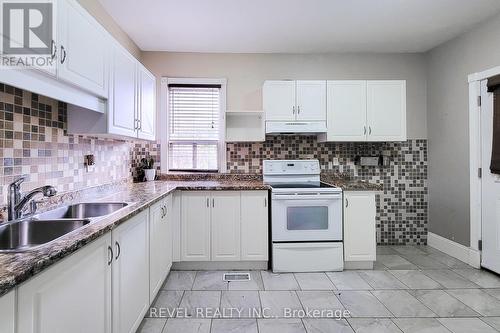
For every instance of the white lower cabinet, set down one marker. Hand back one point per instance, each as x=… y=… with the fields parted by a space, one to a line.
x=359 y=226
x=7 y=312
x=130 y=274
x=254 y=225
x=225 y=225
x=195 y=226
x=72 y=296
x=160 y=246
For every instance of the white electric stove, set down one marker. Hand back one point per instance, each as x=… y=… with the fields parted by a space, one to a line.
x=306 y=218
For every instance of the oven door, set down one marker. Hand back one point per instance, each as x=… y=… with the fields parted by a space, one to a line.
x=307 y=217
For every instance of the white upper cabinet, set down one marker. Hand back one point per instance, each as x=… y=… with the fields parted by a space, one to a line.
x=311 y=100
x=366 y=111
x=346 y=105
x=294 y=100
x=83 y=49
x=146 y=112
x=386 y=110
x=122 y=102
x=279 y=100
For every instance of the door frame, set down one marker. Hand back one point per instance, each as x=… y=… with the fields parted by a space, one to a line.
x=475 y=203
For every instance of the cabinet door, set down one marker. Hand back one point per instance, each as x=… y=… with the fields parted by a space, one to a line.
x=175 y=221
x=346 y=105
x=279 y=100
x=147 y=105
x=254 y=225
x=311 y=100
x=225 y=221
x=359 y=226
x=7 y=312
x=386 y=110
x=160 y=247
x=122 y=102
x=130 y=273
x=83 y=50
x=195 y=226
x=72 y=296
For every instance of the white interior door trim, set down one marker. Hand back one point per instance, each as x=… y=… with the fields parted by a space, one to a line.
x=474 y=80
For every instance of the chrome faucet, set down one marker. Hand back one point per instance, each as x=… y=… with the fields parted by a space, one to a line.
x=17 y=201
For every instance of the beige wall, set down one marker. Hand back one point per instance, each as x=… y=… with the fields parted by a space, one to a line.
x=246 y=73
x=448 y=124
x=100 y=14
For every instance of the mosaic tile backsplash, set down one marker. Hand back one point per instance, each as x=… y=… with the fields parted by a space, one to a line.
x=401 y=208
x=34 y=142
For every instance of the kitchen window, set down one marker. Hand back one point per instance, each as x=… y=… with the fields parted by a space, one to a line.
x=196 y=126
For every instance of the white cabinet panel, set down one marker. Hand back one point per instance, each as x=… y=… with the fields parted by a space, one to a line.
x=122 y=102
x=160 y=247
x=346 y=105
x=225 y=226
x=130 y=273
x=254 y=225
x=195 y=226
x=72 y=296
x=175 y=219
x=146 y=113
x=83 y=49
x=311 y=100
x=7 y=312
x=359 y=226
x=279 y=100
x=386 y=110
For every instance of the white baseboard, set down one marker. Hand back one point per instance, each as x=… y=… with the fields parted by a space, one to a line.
x=454 y=249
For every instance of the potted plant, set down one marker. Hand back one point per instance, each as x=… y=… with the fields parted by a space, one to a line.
x=147 y=165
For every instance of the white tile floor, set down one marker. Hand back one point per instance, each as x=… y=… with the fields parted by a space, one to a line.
x=412 y=289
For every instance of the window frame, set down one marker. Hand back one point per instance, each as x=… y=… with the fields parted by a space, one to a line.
x=165 y=119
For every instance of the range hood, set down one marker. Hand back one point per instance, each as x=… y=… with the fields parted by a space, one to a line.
x=295 y=127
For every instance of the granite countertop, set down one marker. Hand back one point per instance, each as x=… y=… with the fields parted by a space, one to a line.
x=16 y=268
x=346 y=183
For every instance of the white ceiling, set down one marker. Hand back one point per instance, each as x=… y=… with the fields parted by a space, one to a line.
x=296 y=26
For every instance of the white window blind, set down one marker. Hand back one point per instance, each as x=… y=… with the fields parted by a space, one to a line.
x=194 y=113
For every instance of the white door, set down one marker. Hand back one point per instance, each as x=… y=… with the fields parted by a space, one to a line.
x=490 y=188
x=7 y=312
x=195 y=226
x=386 y=110
x=130 y=273
x=346 y=105
x=254 y=225
x=122 y=102
x=359 y=226
x=311 y=100
x=160 y=247
x=147 y=107
x=72 y=296
x=83 y=50
x=225 y=222
x=278 y=99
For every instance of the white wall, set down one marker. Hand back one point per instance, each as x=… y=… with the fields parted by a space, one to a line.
x=246 y=73
x=447 y=124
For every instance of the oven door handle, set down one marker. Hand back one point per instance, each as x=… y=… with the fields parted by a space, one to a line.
x=328 y=196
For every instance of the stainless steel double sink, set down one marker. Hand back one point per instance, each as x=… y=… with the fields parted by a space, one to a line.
x=29 y=233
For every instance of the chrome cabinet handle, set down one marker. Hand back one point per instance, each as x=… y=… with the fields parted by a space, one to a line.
x=369 y=130
x=139 y=124
x=346 y=202
x=118 y=250
x=208 y=202
x=162 y=212
x=213 y=202
x=364 y=130
x=110 y=254
x=265 y=202
x=293 y=110
x=63 y=57
x=298 y=109
x=54 y=50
